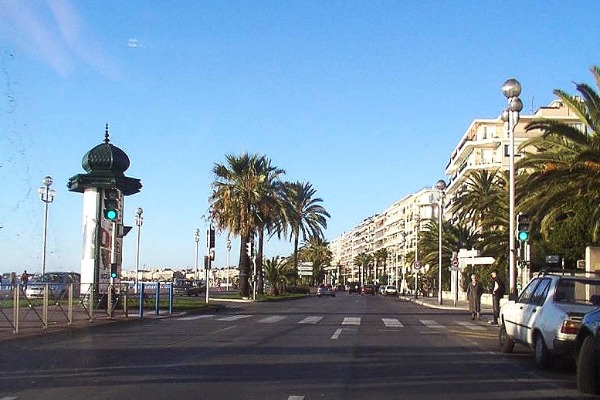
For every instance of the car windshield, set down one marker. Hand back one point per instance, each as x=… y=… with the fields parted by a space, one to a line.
x=583 y=291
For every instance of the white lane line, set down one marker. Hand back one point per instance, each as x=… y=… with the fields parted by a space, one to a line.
x=234 y=317
x=351 y=321
x=336 y=334
x=431 y=324
x=392 y=323
x=272 y=320
x=191 y=318
x=291 y=398
x=310 y=320
x=471 y=326
x=222 y=330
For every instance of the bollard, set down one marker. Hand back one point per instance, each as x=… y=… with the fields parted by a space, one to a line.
x=141 y=300
x=157 y=300
x=171 y=294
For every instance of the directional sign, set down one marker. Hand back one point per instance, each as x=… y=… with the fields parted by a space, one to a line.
x=305 y=273
x=478 y=260
x=468 y=253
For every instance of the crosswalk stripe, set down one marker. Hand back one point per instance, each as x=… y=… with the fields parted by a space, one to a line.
x=310 y=320
x=471 y=326
x=392 y=323
x=234 y=317
x=191 y=318
x=351 y=321
x=272 y=320
x=431 y=324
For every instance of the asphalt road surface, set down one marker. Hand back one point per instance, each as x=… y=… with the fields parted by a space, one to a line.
x=346 y=347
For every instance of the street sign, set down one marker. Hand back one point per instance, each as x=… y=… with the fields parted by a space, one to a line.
x=417 y=265
x=478 y=260
x=463 y=253
x=305 y=273
x=454 y=263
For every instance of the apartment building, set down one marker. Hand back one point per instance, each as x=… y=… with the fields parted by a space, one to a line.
x=484 y=145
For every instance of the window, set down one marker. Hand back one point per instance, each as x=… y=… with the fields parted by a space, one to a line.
x=541 y=291
x=528 y=292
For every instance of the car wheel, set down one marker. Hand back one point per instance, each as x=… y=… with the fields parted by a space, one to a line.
x=541 y=354
x=506 y=343
x=588 y=380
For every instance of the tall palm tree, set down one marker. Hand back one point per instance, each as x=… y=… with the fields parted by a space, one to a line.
x=237 y=190
x=316 y=250
x=381 y=256
x=566 y=162
x=362 y=260
x=305 y=216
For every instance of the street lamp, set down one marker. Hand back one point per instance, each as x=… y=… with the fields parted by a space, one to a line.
x=139 y=221
x=197 y=239
x=47 y=196
x=441 y=186
x=511 y=90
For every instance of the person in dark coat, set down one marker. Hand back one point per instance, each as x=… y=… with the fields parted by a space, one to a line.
x=474 y=292
x=497 y=289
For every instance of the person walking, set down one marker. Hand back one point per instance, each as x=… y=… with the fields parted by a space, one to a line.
x=474 y=292
x=24 y=279
x=497 y=289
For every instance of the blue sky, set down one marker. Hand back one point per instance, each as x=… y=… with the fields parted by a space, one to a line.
x=364 y=99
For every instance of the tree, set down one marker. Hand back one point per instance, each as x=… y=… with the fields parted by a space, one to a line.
x=238 y=189
x=278 y=272
x=362 y=260
x=381 y=256
x=316 y=250
x=305 y=216
x=563 y=170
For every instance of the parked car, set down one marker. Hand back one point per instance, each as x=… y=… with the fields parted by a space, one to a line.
x=188 y=287
x=58 y=284
x=547 y=315
x=390 y=290
x=588 y=353
x=325 y=290
x=368 y=289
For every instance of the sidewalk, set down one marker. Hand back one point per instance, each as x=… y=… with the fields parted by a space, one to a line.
x=447 y=303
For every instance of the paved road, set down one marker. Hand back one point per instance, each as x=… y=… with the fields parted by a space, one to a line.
x=347 y=347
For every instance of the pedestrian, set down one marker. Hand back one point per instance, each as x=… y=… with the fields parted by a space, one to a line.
x=24 y=279
x=497 y=290
x=474 y=292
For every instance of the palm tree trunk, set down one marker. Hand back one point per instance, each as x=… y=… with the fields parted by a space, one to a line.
x=259 y=262
x=244 y=267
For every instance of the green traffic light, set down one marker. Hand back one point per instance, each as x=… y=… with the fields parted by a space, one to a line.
x=523 y=236
x=111 y=214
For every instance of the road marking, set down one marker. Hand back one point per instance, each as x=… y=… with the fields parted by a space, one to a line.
x=310 y=320
x=272 y=320
x=289 y=398
x=191 y=318
x=220 y=331
x=431 y=324
x=234 y=317
x=392 y=323
x=351 y=321
x=471 y=326
x=336 y=334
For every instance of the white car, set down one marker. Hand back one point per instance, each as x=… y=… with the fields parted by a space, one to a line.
x=390 y=290
x=547 y=315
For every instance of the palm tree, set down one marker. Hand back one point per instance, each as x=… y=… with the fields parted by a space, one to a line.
x=362 y=260
x=238 y=189
x=305 y=216
x=278 y=273
x=381 y=256
x=316 y=250
x=566 y=162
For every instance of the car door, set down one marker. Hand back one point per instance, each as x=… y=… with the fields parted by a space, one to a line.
x=515 y=320
x=534 y=309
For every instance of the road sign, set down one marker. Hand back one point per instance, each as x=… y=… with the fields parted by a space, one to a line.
x=462 y=253
x=304 y=273
x=478 y=260
x=417 y=265
x=454 y=263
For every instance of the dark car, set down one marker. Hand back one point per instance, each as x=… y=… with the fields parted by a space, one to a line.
x=368 y=289
x=353 y=288
x=588 y=353
x=188 y=287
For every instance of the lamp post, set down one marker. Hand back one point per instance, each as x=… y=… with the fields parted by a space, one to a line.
x=47 y=196
x=197 y=239
x=441 y=186
x=511 y=90
x=228 y=251
x=139 y=221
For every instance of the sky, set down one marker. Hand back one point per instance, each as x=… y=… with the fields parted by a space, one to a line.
x=366 y=100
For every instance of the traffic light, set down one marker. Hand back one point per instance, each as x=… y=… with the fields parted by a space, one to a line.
x=211 y=237
x=111 y=204
x=250 y=249
x=113 y=271
x=522 y=227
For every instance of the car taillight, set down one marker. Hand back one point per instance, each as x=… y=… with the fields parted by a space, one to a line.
x=570 y=327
